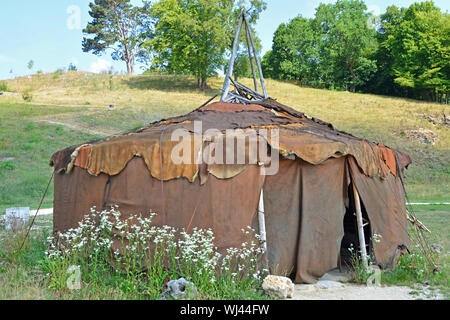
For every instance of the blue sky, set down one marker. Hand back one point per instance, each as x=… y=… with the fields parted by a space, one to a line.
x=49 y=32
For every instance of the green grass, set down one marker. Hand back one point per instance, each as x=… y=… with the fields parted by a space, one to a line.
x=30 y=144
x=413 y=269
x=121 y=120
x=436 y=218
x=432 y=200
x=31 y=274
x=23 y=276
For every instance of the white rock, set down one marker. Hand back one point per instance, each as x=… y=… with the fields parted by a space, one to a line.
x=278 y=287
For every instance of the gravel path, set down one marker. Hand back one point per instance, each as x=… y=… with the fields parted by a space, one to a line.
x=350 y=291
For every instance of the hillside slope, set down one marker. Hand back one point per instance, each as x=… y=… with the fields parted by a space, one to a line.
x=69 y=108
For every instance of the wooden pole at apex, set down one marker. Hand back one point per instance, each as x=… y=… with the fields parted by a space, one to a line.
x=250 y=55
x=255 y=54
x=226 y=84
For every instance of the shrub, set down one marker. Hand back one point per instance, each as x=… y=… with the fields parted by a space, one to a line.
x=27 y=95
x=72 y=67
x=59 y=129
x=4 y=86
x=57 y=73
x=414 y=268
x=7 y=165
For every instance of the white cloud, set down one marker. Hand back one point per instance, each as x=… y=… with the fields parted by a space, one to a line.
x=100 y=66
x=374 y=9
x=6 y=59
x=74 y=20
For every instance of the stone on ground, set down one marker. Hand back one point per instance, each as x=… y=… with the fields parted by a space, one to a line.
x=278 y=287
x=179 y=289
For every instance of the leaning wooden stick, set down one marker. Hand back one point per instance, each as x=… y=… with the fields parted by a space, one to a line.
x=359 y=220
x=262 y=228
x=416 y=222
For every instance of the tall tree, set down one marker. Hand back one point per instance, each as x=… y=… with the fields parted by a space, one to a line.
x=30 y=64
x=347 y=43
x=294 y=54
x=242 y=66
x=116 y=25
x=418 y=44
x=192 y=36
x=382 y=81
x=334 y=49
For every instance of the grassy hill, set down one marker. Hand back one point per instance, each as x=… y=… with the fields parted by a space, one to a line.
x=72 y=107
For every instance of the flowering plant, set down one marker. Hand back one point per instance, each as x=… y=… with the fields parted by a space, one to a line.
x=144 y=256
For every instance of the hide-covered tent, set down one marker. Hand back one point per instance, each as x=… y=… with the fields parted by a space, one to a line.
x=308 y=200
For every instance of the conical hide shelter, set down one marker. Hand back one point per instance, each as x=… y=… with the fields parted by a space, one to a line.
x=308 y=199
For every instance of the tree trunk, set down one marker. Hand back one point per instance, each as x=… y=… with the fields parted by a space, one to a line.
x=129 y=59
x=130 y=68
x=203 y=85
x=352 y=86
